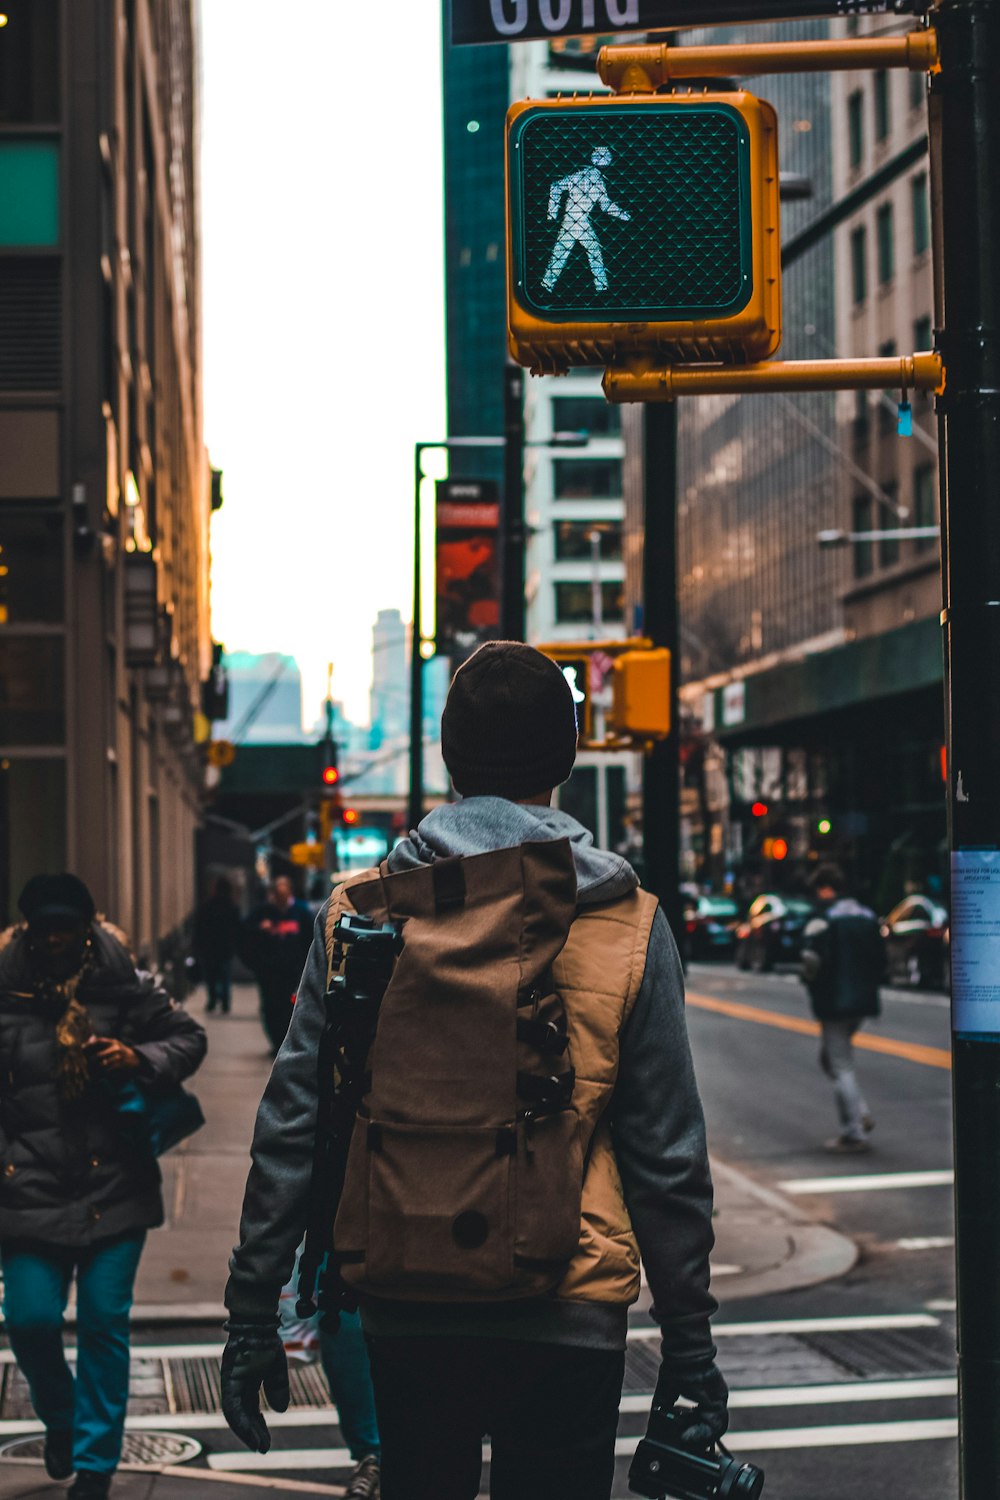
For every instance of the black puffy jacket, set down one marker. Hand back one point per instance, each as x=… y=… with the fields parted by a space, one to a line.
x=843 y=961
x=67 y=1174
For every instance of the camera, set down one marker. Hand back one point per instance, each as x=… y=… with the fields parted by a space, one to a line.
x=663 y=1467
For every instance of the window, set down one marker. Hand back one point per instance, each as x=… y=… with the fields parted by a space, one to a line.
x=925 y=504
x=918 y=90
x=31 y=567
x=882 y=120
x=886 y=244
x=32 y=690
x=859 y=264
x=861 y=520
x=856 y=126
x=573 y=542
x=29 y=191
x=578 y=797
x=29 y=63
x=575 y=606
x=861 y=413
x=921 y=213
x=32 y=824
x=586 y=414
x=588 y=478
x=923 y=334
x=888 y=547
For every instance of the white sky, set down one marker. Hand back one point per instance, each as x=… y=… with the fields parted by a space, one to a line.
x=324 y=326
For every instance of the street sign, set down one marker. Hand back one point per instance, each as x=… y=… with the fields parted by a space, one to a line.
x=467 y=566
x=642 y=224
x=524 y=20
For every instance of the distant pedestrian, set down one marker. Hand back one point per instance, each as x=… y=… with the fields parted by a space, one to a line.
x=843 y=963
x=216 y=934
x=76 y=1194
x=276 y=940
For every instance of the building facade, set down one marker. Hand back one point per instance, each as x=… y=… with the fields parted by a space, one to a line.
x=105 y=487
x=812 y=675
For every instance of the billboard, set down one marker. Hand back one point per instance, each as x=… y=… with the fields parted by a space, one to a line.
x=527 y=20
x=468 y=566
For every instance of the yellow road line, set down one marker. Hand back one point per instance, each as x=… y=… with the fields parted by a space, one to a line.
x=930 y=1057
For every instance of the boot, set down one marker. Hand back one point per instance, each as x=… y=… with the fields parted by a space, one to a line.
x=59 y=1452
x=365 y=1483
x=89 y=1485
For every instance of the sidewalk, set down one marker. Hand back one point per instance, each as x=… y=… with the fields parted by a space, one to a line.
x=765 y=1243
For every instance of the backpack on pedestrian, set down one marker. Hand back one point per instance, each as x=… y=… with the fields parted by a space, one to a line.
x=464 y=1176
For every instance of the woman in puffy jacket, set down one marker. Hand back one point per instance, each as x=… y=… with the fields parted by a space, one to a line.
x=77 y=1190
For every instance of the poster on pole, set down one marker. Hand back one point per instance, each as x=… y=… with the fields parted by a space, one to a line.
x=975 y=941
x=468 y=566
x=478 y=21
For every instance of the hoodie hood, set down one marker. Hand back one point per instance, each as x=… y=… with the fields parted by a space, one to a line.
x=477 y=825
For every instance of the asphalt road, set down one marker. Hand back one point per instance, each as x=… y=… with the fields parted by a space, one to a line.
x=769 y=1110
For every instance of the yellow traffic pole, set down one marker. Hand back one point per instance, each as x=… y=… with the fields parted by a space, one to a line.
x=645 y=381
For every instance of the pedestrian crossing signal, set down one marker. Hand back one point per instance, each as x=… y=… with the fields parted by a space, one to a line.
x=642 y=225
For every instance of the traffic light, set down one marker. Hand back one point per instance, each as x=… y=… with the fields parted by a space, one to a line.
x=573 y=661
x=759 y=810
x=641 y=694
x=642 y=225
x=350 y=817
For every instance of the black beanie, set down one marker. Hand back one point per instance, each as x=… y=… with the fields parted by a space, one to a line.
x=56 y=899
x=509 y=725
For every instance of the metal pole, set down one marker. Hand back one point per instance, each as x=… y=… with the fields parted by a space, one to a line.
x=966 y=121
x=661 y=771
x=512 y=513
x=416 y=799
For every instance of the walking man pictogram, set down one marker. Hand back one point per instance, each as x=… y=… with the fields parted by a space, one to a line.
x=584 y=191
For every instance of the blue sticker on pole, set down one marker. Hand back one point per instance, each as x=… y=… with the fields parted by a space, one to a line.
x=975 y=942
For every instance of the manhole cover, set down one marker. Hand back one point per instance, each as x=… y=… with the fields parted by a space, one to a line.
x=148 y=1448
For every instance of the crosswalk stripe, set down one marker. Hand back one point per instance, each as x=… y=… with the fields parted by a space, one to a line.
x=287 y=1459
x=849 y=1436
x=808 y=1325
x=846 y=1392
x=868 y=1182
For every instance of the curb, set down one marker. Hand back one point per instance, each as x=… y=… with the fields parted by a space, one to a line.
x=784 y=1250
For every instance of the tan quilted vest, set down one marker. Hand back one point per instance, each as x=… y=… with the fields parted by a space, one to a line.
x=598 y=974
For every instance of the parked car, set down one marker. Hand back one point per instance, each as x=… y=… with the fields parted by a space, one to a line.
x=916 y=942
x=771 y=932
x=710 y=924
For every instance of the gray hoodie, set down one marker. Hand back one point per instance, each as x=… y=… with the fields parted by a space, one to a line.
x=656 y=1118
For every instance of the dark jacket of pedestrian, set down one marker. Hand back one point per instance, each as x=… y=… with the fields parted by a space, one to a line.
x=843 y=961
x=67 y=1174
x=275 y=941
x=217 y=926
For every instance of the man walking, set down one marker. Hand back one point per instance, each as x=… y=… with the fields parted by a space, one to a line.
x=276 y=940
x=843 y=963
x=543 y=1375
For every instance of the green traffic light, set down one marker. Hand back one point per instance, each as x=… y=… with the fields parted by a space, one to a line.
x=632 y=213
x=824 y=825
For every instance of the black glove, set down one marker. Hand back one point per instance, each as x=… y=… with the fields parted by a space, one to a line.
x=705 y=1386
x=254 y=1356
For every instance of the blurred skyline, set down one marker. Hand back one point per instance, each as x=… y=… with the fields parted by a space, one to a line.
x=322 y=225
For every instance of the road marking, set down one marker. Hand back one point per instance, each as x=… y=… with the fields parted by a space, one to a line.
x=943 y=1304
x=930 y=1057
x=931 y=1242
x=868 y=1182
x=147 y=1351
x=848 y=1436
x=288 y=1458
x=825 y=1395
x=808 y=1325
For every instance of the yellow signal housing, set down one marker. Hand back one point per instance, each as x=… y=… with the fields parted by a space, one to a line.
x=643 y=225
x=641 y=694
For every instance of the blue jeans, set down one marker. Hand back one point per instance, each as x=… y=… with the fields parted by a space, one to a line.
x=344 y=1355
x=36 y=1285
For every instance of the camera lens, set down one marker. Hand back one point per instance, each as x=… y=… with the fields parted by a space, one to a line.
x=749 y=1483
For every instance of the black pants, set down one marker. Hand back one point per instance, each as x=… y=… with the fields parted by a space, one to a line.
x=550 y=1411
x=276 y=991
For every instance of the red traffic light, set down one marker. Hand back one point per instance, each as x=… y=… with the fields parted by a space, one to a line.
x=330 y=775
x=350 y=816
x=779 y=849
x=759 y=809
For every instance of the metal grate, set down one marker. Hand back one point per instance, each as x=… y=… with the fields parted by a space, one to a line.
x=151 y=1449
x=632 y=213
x=193 y=1385
x=888 y=1352
x=30 y=323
